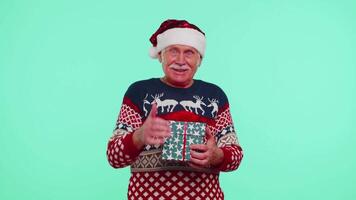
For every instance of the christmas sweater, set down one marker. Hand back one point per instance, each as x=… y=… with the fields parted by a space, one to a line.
x=155 y=178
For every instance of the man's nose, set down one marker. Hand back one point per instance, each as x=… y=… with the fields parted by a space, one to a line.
x=180 y=59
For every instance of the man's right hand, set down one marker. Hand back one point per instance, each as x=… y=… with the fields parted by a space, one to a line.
x=154 y=131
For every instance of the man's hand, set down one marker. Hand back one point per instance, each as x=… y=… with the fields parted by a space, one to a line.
x=206 y=155
x=154 y=131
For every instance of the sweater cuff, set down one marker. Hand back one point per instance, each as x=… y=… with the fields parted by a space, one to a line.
x=132 y=150
x=223 y=165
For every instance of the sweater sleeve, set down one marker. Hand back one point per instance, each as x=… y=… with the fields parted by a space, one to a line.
x=226 y=138
x=121 y=150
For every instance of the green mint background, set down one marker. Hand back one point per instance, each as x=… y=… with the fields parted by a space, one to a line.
x=288 y=68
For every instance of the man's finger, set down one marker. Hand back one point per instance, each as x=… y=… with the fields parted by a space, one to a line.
x=198 y=155
x=198 y=147
x=161 y=133
x=156 y=140
x=209 y=135
x=153 y=112
x=198 y=162
x=161 y=121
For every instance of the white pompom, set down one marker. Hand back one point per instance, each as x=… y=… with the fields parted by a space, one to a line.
x=153 y=52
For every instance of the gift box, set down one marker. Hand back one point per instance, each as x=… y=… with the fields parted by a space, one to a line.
x=183 y=135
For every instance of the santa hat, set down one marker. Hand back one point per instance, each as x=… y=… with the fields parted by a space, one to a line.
x=177 y=32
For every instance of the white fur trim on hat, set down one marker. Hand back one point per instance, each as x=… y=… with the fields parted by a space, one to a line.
x=183 y=36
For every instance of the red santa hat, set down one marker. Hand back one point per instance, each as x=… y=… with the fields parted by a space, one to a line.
x=177 y=32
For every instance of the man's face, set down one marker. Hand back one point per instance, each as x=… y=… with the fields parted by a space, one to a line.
x=179 y=62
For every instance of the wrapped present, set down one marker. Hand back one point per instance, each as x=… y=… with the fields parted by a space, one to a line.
x=184 y=134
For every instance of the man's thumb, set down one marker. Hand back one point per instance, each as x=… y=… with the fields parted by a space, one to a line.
x=153 y=112
x=209 y=135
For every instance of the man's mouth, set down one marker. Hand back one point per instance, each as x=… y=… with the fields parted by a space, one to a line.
x=179 y=69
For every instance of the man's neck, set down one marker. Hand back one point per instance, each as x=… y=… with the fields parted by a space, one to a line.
x=164 y=80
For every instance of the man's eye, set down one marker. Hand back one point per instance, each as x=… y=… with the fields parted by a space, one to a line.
x=173 y=51
x=189 y=53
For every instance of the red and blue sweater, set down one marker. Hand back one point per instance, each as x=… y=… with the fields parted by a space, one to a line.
x=154 y=178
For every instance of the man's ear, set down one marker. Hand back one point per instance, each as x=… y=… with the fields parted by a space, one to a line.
x=159 y=57
x=199 y=62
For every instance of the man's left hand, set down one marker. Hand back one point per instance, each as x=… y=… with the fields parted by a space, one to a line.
x=206 y=155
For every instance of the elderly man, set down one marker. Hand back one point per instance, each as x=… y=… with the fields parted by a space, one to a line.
x=148 y=106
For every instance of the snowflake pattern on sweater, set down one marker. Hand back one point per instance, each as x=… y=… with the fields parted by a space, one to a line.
x=155 y=178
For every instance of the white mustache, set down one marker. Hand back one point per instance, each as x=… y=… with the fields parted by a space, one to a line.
x=176 y=66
